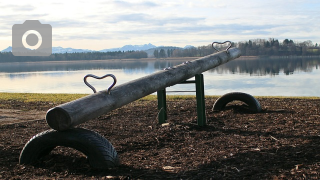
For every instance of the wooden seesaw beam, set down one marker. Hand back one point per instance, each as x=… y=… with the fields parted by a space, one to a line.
x=68 y=115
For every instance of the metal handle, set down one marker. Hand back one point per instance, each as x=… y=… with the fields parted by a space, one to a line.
x=230 y=44
x=96 y=77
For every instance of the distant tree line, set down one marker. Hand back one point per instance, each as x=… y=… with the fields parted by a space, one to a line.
x=257 y=47
x=272 y=47
x=9 y=57
x=162 y=53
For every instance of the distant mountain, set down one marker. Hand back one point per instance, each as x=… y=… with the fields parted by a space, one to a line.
x=131 y=48
x=189 y=47
x=68 y=50
x=56 y=50
x=8 y=49
x=149 y=48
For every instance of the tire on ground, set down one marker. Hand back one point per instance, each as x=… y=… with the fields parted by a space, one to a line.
x=99 y=151
x=252 y=102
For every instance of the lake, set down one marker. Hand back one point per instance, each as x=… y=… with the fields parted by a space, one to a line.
x=263 y=77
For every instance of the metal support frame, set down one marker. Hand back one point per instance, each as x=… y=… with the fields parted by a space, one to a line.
x=201 y=107
x=162 y=106
x=201 y=113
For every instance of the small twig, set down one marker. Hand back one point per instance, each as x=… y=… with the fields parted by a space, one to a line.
x=274 y=138
x=235 y=169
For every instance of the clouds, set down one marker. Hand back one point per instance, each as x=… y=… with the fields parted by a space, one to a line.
x=154 y=20
x=178 y=23
x=130 y=4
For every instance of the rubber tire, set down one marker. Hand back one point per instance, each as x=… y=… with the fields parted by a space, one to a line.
x=252 y=102
x=100 y=153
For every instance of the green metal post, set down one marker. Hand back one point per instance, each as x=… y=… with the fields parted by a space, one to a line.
x=201 y=111
x=162 y=106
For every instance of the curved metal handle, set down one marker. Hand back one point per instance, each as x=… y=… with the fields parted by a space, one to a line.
x=230 y=44
x=96 y=77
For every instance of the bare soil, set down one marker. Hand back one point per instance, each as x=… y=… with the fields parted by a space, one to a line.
x=281 y=142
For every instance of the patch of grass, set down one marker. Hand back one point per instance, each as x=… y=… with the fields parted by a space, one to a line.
x=149 y=98
x=291 y=97
x=178 y=97
x=61 y=98
x=169 y=97
x=43 y=97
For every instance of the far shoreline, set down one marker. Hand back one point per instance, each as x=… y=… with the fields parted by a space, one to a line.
x=162 y=59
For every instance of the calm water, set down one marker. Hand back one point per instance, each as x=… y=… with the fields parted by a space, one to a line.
x=270 y=77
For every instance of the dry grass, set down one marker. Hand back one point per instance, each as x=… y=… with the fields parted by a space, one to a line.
x=61 y=98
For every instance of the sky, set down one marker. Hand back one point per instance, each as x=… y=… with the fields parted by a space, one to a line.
x=98 y=24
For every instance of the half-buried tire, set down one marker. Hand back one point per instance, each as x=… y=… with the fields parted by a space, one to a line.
x=100 y=153
x=252 y=102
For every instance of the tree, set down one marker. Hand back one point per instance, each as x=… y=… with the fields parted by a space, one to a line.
x=250 y=44
x=309 y=43
x=168 y=52
x=162 y=53
x=156 y=53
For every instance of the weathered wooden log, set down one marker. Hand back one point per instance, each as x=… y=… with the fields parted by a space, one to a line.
x=70 y=114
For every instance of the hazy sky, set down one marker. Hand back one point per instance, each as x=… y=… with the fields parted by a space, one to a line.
x=95 y=24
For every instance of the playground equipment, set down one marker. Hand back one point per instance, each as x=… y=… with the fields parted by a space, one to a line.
x=253 y=104
x=98 y=150
x=70 y=114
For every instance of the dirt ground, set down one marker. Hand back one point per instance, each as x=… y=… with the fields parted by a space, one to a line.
x=281 y=142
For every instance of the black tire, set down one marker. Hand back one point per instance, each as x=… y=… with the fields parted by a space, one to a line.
x=100 y=153
x=252 y=102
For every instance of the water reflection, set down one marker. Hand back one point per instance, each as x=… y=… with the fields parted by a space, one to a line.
x=262 y=67
x=71 y=66
x=239 y=66
x=292 y=77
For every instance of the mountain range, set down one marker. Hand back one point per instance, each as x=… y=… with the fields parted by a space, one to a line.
x=146 y=47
